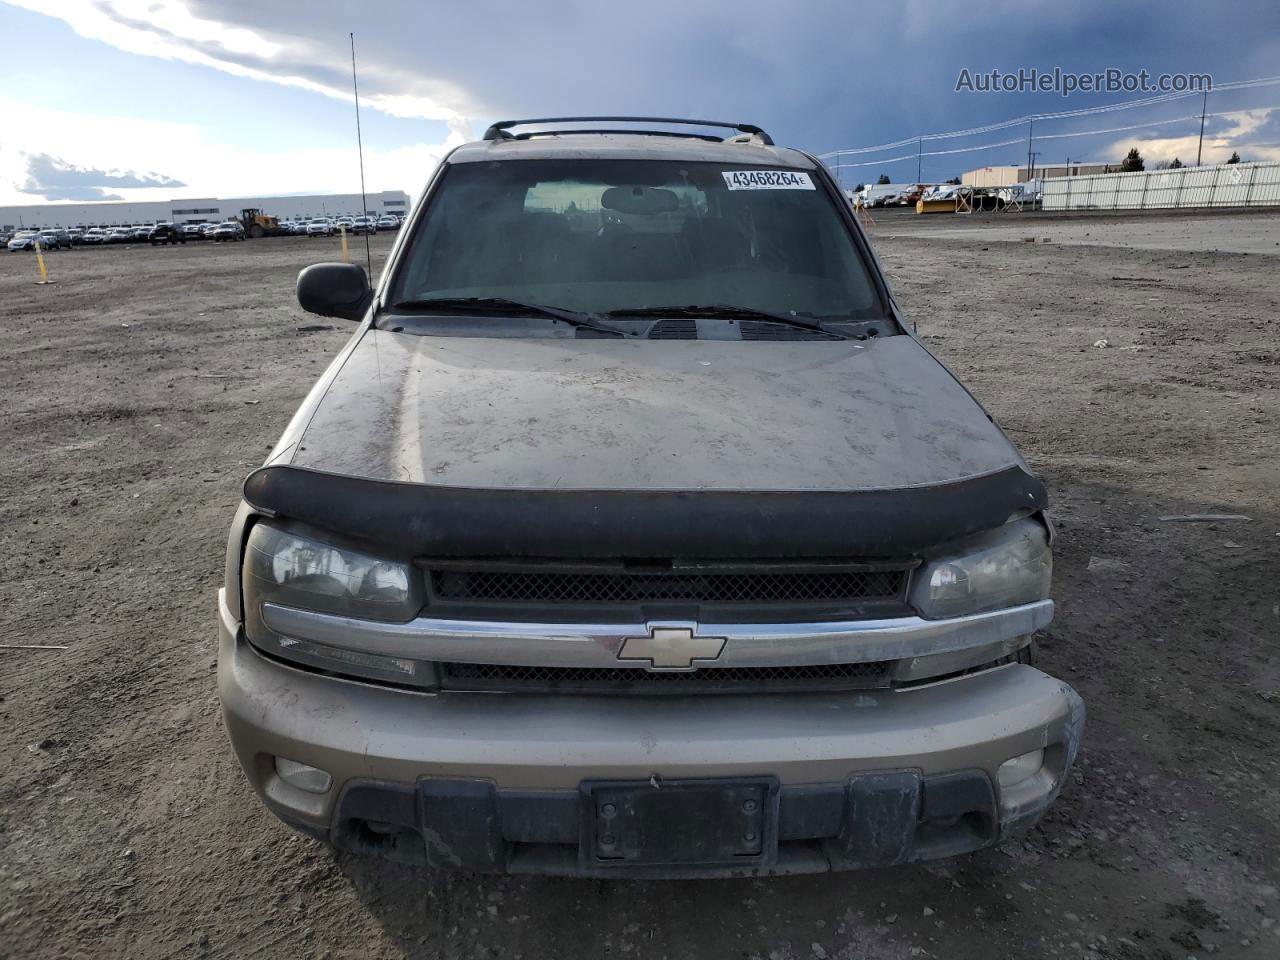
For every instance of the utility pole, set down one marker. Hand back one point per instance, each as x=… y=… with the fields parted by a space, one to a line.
x=1031 y=125
x=1204 y=105
x=919 y=147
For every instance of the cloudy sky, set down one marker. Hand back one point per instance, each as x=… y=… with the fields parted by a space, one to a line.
x=135 y=99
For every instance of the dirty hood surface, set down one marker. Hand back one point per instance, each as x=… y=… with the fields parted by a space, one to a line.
x=562 y=414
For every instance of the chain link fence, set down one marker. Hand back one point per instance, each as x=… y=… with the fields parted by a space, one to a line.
x=1221 y=185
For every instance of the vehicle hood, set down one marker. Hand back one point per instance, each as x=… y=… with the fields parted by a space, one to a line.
x=607 y=414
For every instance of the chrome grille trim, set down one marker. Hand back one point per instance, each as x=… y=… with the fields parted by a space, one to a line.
x=597 y=645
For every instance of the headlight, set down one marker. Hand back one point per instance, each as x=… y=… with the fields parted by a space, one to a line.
x=1001 y=568
x=298 y=571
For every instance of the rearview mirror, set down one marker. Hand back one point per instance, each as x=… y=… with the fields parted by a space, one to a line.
x=640 y=199
x=335 y=290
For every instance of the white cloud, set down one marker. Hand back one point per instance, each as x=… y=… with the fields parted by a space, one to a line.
x=207 y=167
x=167 y=29
x=1218 y=144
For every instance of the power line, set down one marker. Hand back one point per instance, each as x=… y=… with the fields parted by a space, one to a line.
x=1005 y=124
x=877 y=163
x=1039 y=137
x=1060 y=115
x=933 y=153
x=1135 y=126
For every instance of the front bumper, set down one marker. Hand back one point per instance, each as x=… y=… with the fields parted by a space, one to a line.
x=495 y=781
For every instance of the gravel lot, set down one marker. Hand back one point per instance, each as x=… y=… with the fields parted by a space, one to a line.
x=1204 y=232
x=144 y=385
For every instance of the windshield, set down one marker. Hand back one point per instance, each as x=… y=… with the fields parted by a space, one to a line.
x=616 y=235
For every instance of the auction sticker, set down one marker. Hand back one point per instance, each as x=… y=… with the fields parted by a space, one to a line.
x=767 y=180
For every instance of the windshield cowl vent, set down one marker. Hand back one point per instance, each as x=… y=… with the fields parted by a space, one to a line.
x=674 y=330
x=687 y=329
x=760 y=330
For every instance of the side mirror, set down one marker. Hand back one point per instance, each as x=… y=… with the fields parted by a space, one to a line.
x=335 y=290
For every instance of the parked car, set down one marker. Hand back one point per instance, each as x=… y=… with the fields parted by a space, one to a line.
x=882 y=194
x=230 y=230
x=164 y=234
x=364 y=225
x=94 y=236
x=388 y=223
x=320 y=228
x=139 y=234
x=192 y=231
x=22 y=240
x=729 y=575
x=119 y=235
x=206 y=230
x=47 y=239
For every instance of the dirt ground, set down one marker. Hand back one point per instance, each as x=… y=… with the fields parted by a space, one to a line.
x=142 y=387
x=1206 y=231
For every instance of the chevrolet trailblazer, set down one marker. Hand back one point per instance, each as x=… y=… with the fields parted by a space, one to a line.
x=634 y=533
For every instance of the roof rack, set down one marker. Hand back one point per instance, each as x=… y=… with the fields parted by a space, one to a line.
x=499 y=130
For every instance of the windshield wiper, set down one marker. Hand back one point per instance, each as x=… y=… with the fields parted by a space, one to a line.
x=722 y=310
x=574 y=318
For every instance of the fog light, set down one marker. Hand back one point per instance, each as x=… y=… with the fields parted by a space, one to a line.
x=310 y=779
x=1019 y=769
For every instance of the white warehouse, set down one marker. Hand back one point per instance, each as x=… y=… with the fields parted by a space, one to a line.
x=197 y=210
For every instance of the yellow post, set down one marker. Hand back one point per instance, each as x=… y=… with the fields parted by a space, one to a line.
x=342 y=229
x=44 y=271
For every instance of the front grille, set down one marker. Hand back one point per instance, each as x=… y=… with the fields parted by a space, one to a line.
x=831 y=676
x=625 y=587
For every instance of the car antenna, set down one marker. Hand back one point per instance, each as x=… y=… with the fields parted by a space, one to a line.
x=364 y=203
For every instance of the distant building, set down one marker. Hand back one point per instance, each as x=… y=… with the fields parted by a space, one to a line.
x=1007 y=176
x=197 y=210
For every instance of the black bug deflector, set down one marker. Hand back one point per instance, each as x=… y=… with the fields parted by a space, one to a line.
x=413 y=519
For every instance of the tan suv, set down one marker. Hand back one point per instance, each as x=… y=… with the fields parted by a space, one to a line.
x=633 y=533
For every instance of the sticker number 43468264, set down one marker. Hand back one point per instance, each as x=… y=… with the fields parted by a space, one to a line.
x=767 y=180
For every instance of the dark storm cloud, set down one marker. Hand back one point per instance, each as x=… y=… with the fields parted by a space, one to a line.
x=818 y=73
x=55 y=179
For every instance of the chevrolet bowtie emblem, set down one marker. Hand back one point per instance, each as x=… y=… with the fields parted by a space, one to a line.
x=671 y=648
